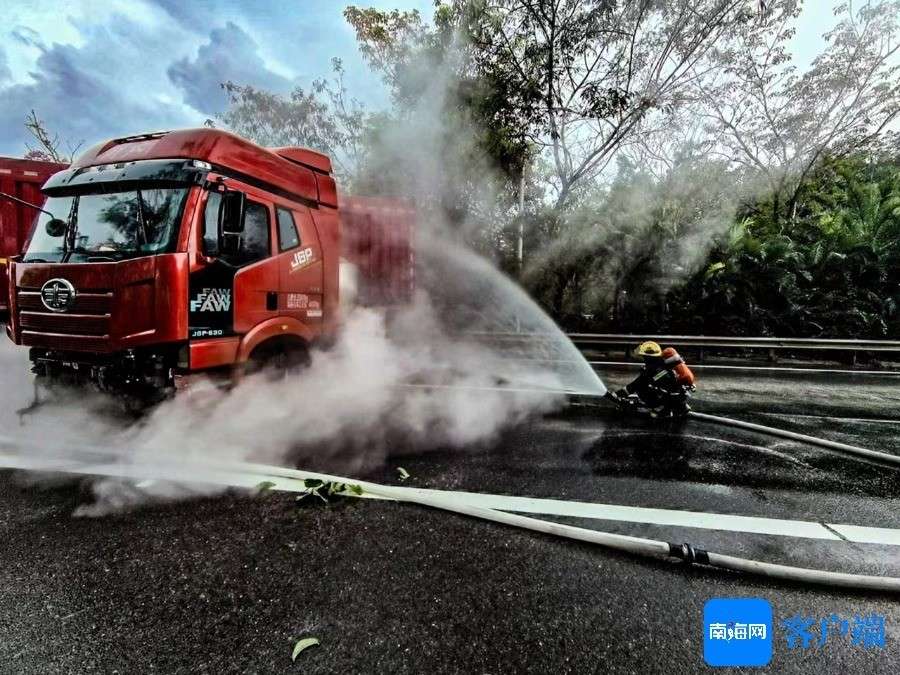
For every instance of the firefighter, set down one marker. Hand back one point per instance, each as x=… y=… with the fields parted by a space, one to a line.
x=663 y=385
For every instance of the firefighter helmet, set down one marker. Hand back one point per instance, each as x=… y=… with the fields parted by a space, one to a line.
x=648 y=348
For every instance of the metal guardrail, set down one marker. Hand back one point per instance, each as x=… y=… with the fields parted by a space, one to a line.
x=738 y=342
x=702 y=344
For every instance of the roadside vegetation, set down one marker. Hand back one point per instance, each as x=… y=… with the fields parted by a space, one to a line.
x=637 y=166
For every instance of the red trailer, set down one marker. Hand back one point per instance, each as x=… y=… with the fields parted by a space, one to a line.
x=377 y=237
x=21 y=178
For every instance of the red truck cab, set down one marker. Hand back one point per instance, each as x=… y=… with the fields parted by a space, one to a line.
x=177 y=252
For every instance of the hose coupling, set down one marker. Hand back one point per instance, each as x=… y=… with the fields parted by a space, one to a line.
x=688 y=554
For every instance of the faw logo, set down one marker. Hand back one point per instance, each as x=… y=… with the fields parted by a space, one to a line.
x=301 y=259
x=212 y=300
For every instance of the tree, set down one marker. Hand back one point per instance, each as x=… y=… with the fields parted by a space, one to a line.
x=624 y=247
x=411 y=56
x=777 y=123
x=450 y=141
x=49 y=145
x=837 y=274
x=325 y=118
x=391 y=40
x=856 y=209
x=589 y=74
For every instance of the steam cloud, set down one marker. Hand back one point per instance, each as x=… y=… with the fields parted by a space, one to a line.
x=411 y=383
x=418 y=378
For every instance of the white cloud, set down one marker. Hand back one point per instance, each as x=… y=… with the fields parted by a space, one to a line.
x=100 y=68
x=230 y=54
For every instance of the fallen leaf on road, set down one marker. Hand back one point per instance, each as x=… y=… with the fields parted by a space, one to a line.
x=303 y=644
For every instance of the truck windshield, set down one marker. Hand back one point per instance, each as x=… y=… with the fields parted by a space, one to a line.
x=109 y=226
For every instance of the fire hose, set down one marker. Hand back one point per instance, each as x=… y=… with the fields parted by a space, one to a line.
x=246 y=474
x=635 y=545
x=875 y=455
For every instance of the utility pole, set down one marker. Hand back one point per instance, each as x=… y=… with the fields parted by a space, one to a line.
x=521 y=250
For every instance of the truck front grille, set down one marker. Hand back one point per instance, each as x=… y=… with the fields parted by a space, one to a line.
x=78 y=324
x=98 y=302
x=63 y=342
x=84 y=327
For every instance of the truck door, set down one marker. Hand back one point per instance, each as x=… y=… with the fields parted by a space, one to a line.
x=231 y=293
x=300 y=265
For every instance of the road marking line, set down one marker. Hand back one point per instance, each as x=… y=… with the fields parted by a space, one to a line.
x=253 y=474
x=670 y=517
x=831 y=529
x=868 y=535
x=651 y=516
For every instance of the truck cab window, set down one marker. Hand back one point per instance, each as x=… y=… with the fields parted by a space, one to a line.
x=287 y=230
x=254 y=240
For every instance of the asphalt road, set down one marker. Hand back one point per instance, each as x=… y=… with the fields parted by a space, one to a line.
x=229 y=583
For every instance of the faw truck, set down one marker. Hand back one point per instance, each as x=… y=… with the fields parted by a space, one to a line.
x=158 y=256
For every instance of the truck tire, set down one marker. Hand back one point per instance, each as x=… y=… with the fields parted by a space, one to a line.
x=278 y=359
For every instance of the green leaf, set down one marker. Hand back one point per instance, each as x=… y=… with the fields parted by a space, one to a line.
x=355 y=489
x=303 y=644
x=713 y=269
x=265 y=486
x=314 y=483
x=404 y=474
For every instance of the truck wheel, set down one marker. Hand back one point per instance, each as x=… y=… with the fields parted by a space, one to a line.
x=278 y=360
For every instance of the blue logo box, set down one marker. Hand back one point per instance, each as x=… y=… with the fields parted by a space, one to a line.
x=737 y=632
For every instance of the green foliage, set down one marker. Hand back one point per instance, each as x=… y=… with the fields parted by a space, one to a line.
x=834 y=273
x=264 y=487
x=458 y=110
x=313 y=487
x=774 y=216
x=613 y=258
x=669 y=255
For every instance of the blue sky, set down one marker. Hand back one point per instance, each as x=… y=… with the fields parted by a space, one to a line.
x=95 y=69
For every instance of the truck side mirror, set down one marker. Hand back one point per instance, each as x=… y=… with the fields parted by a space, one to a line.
x=231 y=215
x=231 y=222
x=55 y=227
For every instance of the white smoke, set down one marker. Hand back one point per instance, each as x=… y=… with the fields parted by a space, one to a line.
x=418 y=380
x=415 y=378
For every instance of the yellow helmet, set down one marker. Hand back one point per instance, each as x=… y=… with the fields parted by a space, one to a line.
x=648 y=348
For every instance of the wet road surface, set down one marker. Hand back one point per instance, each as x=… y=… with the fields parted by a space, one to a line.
x=227 y=584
